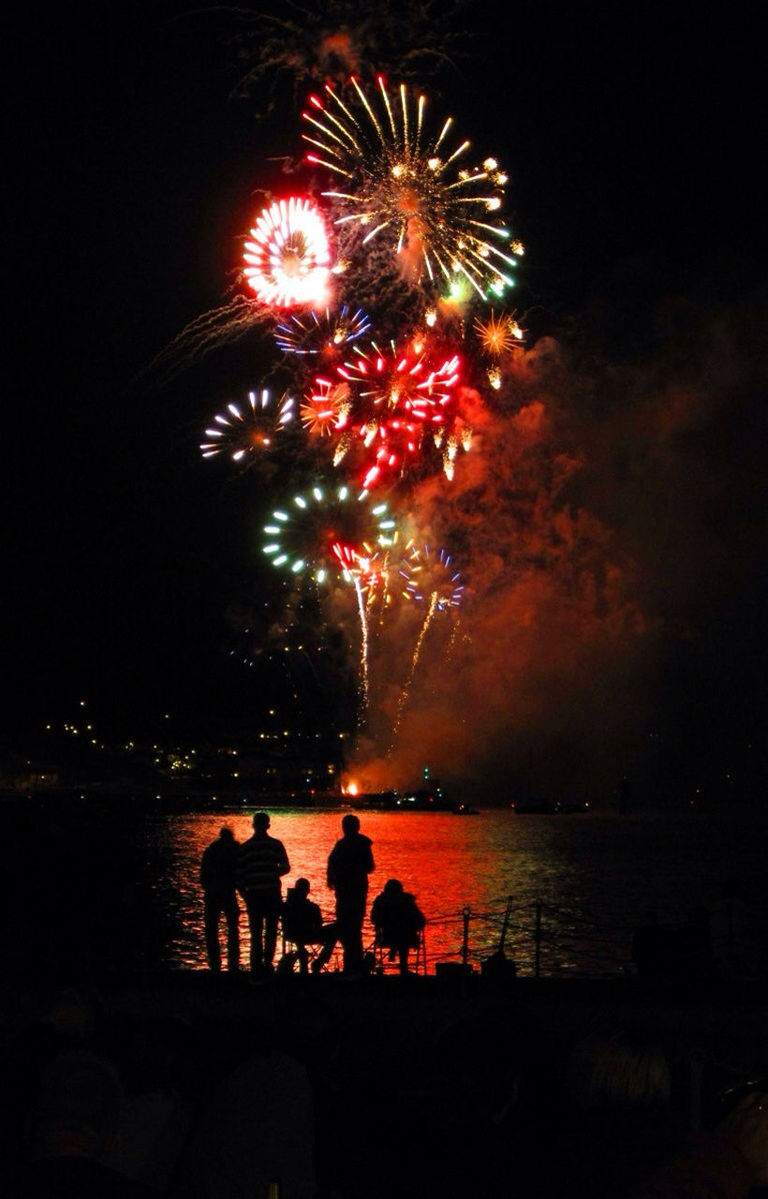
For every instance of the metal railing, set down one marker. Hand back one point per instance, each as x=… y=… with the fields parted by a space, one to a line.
x=542 y=939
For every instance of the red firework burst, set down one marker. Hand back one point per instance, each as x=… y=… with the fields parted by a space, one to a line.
x=397 y=396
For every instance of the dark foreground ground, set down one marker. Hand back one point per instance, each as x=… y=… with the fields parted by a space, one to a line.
x=381 y=1086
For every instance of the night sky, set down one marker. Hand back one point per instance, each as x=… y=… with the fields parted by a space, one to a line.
x=626 y=632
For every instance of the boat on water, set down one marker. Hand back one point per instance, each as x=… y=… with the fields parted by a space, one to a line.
x=424 y=799
x=548 y=807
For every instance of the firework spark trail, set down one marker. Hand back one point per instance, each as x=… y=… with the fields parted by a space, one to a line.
x=209 y=331
x=453 y=638
x=379 y=597
x=363 y=651
x=331 y=39
x=403 y=700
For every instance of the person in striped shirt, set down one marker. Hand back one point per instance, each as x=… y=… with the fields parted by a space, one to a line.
x=261 y=863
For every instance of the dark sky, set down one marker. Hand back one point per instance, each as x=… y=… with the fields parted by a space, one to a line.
x=632 y=139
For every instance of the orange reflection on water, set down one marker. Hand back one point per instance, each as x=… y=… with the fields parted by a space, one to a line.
x=448 y=862
x=595 y=874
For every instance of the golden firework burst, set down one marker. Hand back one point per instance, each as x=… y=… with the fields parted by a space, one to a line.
x=498 y=334
x=325 y=409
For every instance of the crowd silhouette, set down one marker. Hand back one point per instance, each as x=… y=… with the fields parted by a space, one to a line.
x=272 y=1099
x=253 y=870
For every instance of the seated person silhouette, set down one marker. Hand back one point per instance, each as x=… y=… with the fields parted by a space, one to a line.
x=398 y=921
x=302 y=921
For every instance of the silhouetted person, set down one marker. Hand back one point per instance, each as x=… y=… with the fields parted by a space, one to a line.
x=398 y=921
x=625 y=795
x=302 y=921
x=349 y=864
x=734 y=934
x=261 y=863
x=74 y=1124
x=256 y=1127
x=730 y=1163
x=217 y=877
x=619 y=1123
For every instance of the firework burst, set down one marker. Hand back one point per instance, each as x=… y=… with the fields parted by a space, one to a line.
x=411 y=189
x=249 y=429
x=428 y=573
x=396 y=394
x=289 y=255
x=370 y=564
x=326 y=407
x=322 y=335
x=498 y=335
x=317 y=530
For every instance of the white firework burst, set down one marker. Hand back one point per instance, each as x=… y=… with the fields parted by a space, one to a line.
x=289 y=255
x=248 y=429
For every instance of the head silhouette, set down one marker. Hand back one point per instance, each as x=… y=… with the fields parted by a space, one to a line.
x=619 y=1070
x=301 y=888
x=393 y=886
x=226 y=834
x=260 y=822
x=350 y=824
x=78 y=1105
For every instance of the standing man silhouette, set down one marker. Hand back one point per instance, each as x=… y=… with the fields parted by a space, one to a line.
x=217 y=878
x=349 y=864
x=261 y=863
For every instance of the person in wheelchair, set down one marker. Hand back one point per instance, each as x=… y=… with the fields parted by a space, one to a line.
x=302 y=922
x=398 y=922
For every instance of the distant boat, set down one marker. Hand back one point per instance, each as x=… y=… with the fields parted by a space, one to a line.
x=548 y=807
x=422 y=800
x=376 y=801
